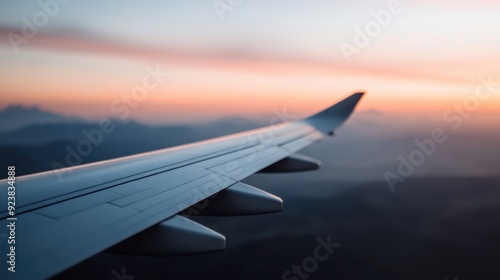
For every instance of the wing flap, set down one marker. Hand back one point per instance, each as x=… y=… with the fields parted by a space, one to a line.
x=301 y=143
x=250 y=164
x=78 y=204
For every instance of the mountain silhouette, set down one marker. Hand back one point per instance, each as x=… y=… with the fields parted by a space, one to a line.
x=16 y=116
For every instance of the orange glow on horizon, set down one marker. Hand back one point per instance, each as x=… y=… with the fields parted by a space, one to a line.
x=204 y=86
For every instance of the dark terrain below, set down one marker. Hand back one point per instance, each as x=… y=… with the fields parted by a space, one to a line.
x=430 y=229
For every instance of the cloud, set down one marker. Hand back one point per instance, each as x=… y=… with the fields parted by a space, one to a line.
x=224 y=58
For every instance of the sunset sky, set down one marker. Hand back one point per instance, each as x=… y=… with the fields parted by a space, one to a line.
x=251 y=59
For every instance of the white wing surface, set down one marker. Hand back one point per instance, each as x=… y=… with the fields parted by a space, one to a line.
x=140 y=204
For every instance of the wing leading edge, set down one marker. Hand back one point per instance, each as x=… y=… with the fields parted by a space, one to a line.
x=66 y=216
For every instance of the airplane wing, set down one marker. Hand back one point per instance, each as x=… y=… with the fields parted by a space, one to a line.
x=140 y=204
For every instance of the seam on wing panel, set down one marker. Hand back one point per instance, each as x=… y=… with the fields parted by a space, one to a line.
x=168 y=181
x=169 y=195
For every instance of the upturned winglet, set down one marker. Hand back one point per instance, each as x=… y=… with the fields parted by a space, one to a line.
x=331 y=118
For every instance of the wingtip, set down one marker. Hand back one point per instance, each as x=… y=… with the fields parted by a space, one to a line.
x=359 y=94
x=332 y=117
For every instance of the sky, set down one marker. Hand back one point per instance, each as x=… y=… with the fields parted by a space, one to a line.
x=191 y=61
